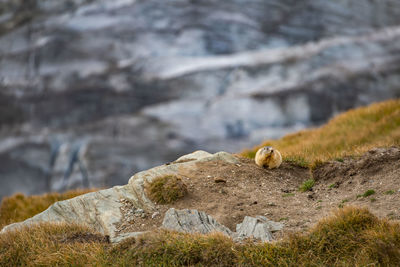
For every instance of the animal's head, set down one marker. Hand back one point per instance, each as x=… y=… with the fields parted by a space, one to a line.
x=267 y=150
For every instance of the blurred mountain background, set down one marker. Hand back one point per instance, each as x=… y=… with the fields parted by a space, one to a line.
x=92 y=91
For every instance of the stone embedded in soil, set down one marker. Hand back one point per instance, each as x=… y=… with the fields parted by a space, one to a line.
x=258 y=228
x=192 y=221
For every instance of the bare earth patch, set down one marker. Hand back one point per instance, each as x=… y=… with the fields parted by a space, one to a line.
x=228 y=192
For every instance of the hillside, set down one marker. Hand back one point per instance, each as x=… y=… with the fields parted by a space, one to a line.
x=351 y=164
x=121 y=86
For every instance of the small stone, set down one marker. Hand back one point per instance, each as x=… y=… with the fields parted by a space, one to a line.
x=155 y=214
x=139 y=211
x=143 y=215
x=271 y=204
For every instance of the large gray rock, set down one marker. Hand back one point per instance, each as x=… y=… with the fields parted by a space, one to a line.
x=104 y=211
x=129 y=84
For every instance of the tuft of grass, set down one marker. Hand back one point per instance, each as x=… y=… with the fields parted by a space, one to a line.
x=307 y=185
x=333 y=185
x=349 y=134
x=389 y=192
x=349 y=237
x=368 y=193
x=19 y=207
x=166 y=189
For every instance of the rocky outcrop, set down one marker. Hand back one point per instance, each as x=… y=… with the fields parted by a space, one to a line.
x=134 y=83
x=103 y=211
x=113 y=211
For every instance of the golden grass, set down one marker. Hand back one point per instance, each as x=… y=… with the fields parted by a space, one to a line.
x=349 y=134
x=166 y=189
x=20 y=207
x=350 y=237
x=49 y=245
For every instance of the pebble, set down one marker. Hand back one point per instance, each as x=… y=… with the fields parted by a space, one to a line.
x=155 y=214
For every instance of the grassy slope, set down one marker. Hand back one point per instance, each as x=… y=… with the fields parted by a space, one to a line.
x=349 y=134
x=20 y=207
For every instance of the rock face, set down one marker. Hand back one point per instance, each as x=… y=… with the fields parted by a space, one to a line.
x=134 y=83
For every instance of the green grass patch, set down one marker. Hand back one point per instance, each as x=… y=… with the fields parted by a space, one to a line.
x=389 y=192
x=368 y=193
x=307 y=185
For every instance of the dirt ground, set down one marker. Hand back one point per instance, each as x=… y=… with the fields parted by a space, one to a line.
x=229 y=192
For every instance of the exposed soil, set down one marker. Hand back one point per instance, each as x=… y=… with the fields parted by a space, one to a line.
x=229 y=192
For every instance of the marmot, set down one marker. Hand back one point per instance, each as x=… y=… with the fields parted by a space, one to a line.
x=268 y=156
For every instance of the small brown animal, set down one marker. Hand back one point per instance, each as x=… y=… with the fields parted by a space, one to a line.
x=268 y=157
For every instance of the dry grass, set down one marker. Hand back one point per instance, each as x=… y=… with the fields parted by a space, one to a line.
x=49 y=245
x=166 y=189
x=350 y=237
x=349 y=134
x=20 y=207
